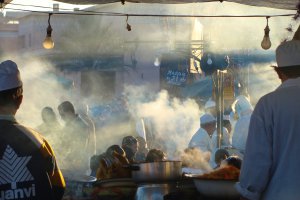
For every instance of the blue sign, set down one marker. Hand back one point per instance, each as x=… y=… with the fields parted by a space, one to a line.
x=175 y=77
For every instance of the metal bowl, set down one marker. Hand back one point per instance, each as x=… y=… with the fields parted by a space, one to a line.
x=221 y=189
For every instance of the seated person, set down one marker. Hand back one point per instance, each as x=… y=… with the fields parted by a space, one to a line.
x=111 y=164
x=130 y=145
x=234 y=161
x=156 y=155
x=94 y=164
x=219 y=156
x=142 y=150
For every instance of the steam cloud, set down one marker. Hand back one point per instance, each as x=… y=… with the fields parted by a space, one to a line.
x=175 y=120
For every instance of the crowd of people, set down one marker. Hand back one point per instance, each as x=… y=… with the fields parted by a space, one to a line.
x=116 y=160
x=75 y=141
x=234 y=130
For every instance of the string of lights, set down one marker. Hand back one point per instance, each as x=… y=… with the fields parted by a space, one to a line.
x=88 y=12
x=49 y=44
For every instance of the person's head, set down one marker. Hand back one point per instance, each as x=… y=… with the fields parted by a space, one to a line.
x=208 y=123
x=11 y=88
x=232 y=161
x=142 y=142
x=66 y=111
x=227 y=123
x=220 y=155
x=155 y=155
x=241 y=106
x=131 y=143
x=210 y=107
x=115 y=149
x=288 y=59
x=48 y=115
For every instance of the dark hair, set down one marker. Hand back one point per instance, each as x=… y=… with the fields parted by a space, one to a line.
x=115 y=148
x=226 y=122
x=290 y=72
x=48 y=114
x=10 y=97
x=234 y=161
x=66 y=106
x=129 y=140
x=204 y=126
x=221 y=154
x=155 y=155
x=142 y=142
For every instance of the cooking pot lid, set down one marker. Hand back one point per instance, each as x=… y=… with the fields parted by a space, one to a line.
x=73 y=176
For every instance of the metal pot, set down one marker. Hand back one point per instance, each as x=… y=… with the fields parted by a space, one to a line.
x=78 y=185
x=154 y=191
x=159 y=171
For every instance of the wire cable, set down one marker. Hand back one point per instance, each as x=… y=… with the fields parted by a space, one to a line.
x=86 y=12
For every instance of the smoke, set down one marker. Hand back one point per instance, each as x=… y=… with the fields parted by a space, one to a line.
x=175 y=120
x=262 y=79
x=195 y=158
x=41 y=88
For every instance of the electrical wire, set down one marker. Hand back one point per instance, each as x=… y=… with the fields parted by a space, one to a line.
x=86 y=12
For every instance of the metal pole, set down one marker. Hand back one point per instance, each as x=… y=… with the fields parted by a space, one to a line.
x=220 y=106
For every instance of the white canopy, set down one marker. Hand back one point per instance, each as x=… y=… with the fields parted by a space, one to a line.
x=282 y=4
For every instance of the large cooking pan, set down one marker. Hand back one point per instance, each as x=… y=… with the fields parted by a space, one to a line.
x=215 y=188
x=159 y=171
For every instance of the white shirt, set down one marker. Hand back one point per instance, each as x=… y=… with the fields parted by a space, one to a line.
x=201 y=140
x=240 y=131
x=226 y=140
x=270 y=169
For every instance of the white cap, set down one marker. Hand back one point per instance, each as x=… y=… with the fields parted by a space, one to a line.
x=207 y=118
x=241 y=104
x=209 y=104
x=288 y=54
x=9 y=75
x=226 y=117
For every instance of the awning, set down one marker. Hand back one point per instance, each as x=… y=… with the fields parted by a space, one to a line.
x=282 y=4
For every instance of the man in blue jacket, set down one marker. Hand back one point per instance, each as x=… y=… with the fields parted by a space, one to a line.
x=270 y=168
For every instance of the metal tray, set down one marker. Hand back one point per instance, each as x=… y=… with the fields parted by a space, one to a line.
x=221 y=189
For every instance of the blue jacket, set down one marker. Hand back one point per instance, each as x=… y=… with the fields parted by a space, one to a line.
x=270 y=168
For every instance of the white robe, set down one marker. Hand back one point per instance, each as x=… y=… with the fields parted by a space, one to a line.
x=201 y=140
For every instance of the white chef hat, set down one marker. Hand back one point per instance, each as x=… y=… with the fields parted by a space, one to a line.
x=288 y=54
x=207 y=118
x=241 y=104
x=209 y=104
x=9 y=75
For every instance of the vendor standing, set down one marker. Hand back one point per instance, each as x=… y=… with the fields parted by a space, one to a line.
x=28 y=168
x=243 y=110
x=270 y=168
x=202 y=138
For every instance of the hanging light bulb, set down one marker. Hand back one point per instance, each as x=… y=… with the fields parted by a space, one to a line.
x=157 y=62
x=266 y=42
x=128 y=27
x=48 y=42
x=209 y=60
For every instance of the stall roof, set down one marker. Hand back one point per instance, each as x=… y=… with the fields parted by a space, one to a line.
x=281 y=4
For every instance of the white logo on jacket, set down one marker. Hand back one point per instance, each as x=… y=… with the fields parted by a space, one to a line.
x=13 y=170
